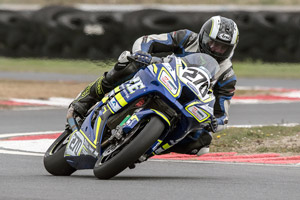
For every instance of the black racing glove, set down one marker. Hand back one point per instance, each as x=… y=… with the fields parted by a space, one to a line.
x=213 y=125
x=141 y=58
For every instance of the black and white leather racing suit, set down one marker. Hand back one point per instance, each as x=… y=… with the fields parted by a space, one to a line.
x=182 y=43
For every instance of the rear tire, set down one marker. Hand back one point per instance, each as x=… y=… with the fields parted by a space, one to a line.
x=54 y=160
x=132 y=152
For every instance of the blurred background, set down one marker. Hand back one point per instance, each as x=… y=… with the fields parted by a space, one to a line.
x=101 y=29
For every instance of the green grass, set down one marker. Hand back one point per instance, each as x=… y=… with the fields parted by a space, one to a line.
x=267 y=70
x=54 y=66
x=258 y=140
x=242 y=69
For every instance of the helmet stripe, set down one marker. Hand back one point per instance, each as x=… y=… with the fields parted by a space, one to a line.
x=216 y=20
x=235 y=34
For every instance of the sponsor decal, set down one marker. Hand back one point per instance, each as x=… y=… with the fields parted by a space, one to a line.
x=75 y=144
x=135 y=84
x=168 y=82
x=78 y=145
x=114 y=105
x=197 y=113
x=224 y=36
x=131 y=120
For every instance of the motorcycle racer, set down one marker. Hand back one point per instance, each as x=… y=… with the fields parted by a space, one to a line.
x=218 y=38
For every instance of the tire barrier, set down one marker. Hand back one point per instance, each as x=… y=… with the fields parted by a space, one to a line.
x=71 y=33
x=67 y=32
x=16 y=34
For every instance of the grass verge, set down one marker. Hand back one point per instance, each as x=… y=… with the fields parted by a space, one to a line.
x=54 y=65
x=253 y=69
x=276 y=139
x=258 y=69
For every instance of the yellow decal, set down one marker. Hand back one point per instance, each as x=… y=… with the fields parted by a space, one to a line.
x=154 y=68
x=134 y=117
x=81 y=150
x=104 y=99
x=183 y=64
x=166 y=146
x=104 y=110
x=208 y=99
x=212 y=26
x=117 y=89
x=163 y=116
x=97 y=131
x=110 y=109
x=121 y=99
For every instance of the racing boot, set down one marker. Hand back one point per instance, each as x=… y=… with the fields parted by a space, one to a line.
x=94 y=92
x=195 y=143
x=87 y=98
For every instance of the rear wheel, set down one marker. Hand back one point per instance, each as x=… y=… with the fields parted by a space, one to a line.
x=108 y=168
x=54 y=160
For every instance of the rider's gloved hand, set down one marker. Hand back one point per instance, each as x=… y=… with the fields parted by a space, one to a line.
x=74 y=112
x=141 y=58
x=213 y=125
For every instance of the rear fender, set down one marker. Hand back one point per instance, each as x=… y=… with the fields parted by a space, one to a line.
x=136 y=117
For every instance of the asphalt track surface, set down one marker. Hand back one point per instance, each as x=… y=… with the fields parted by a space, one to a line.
x=53 y=118
x=23 y=177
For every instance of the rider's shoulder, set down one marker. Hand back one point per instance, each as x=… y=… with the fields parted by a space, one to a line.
x=183 y=33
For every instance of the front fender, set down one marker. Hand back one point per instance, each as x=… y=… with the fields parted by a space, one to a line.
x=136 y=117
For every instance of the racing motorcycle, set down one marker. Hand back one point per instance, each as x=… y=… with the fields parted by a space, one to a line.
x=145 y=116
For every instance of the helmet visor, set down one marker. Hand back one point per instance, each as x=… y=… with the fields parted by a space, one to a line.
x=216 y=47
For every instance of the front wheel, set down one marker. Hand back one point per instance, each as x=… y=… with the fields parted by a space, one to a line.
x=54 y=160
x=132 y=152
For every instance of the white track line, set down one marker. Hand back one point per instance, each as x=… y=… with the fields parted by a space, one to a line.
x=225 y=163
x=4 y=151
x=7 y=135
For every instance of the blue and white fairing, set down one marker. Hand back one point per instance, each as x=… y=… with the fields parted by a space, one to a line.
x=184 y=89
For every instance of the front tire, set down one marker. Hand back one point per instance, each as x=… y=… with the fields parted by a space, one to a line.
x=132 y=152
x=54 y=160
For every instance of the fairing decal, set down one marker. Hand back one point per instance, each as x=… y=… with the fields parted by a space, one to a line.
x=198 y=112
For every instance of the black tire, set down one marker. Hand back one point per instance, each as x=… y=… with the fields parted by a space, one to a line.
x=136 y=148
x=54 y=160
